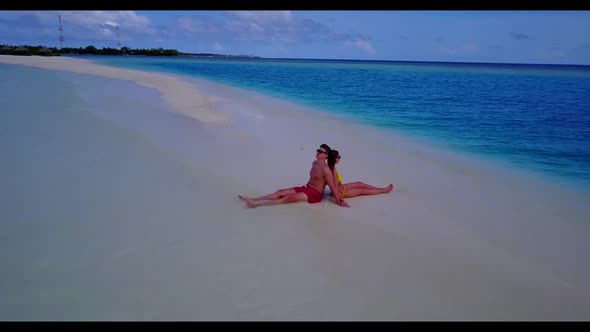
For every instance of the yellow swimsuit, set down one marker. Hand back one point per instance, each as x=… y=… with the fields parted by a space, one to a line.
x=340 y=181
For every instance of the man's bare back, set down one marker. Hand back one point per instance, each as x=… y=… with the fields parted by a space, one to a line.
x=317 y=179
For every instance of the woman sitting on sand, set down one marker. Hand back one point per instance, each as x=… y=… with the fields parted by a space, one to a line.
x=352 y=189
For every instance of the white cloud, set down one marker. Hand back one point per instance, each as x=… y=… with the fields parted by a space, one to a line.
x=265 y=17
x=278 y=28
x=463 y=49
x=217 y=47
x=470 y=47
x=282 y=49
x=239 y=25
x=552 y=54
x=363 y=45
x=274 y=26
x=126 y=20
x=79 y=27
x=196 y=24
x=106 y=33
x=102 y=24
x=111 y=24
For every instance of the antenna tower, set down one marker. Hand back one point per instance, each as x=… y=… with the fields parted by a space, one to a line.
x=61 y=33
x=118 y=38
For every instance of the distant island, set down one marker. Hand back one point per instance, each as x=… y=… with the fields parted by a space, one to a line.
x=90 y=49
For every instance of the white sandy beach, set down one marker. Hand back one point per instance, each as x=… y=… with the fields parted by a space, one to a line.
x=150 y=226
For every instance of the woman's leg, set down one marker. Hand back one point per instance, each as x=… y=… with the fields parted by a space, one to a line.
x=360 y=185
x=354 y=192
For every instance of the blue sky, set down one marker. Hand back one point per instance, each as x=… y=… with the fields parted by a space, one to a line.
x=557 y=37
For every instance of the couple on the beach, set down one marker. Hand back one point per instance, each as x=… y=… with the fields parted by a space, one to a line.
x=320 y=175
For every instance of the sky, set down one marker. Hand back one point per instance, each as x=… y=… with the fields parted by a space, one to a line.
x=547 y=37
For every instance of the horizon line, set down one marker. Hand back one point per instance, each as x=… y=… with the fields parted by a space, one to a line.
x=343 y=59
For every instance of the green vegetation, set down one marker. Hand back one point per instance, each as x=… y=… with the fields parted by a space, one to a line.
x=90 y=49
x=28 y=50
x=123 y=51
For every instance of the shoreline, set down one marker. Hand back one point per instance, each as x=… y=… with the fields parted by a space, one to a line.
x=520 y=166
x=409 y=145
x=454 y=240
x=205 y=108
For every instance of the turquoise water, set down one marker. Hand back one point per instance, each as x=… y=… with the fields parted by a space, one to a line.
x=534 y=117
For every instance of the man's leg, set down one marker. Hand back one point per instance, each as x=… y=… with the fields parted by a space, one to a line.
x=290 y=198
x=277 y=194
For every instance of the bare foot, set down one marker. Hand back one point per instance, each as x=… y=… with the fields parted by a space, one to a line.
x=389 y=188
x=249 y=203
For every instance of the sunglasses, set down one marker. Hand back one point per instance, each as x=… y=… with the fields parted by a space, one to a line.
x=320 y=151
x=338 y=157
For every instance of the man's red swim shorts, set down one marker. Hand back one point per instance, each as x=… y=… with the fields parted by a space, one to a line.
x=313 y=196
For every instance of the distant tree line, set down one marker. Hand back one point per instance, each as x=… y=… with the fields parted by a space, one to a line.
x=90 y=49
x=28 y=50
x=122 y=51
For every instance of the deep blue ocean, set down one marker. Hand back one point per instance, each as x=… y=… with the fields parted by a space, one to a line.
x=534 y=117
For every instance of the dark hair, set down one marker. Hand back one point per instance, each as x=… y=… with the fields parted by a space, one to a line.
x=332 y=158
x=325 y=146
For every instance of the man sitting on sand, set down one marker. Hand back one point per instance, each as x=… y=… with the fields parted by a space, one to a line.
x=313 y=192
